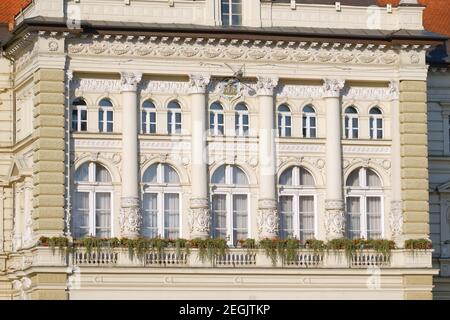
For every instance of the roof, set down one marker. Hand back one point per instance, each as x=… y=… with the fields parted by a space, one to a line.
x=262 y=33
x=9 y=8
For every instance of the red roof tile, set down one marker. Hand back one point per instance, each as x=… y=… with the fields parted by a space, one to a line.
x=9 y=8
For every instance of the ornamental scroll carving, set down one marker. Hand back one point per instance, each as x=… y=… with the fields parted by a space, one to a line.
x=198 y=83
x=130 y=217
x=334 y=219
x=266 y=85
x=267 y=219
x=396 y=218
x=130 y=80
x=332 y=87
x=199 y=218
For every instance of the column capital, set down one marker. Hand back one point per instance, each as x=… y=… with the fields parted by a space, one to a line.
x=266 y=85
x=130 y=80
x=332 y=87
x=198 y=82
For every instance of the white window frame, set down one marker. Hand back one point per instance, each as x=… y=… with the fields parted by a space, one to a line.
x=146 y=112
x=231 y=13
x=373 y=126
x=239 y=126
x=171 y=120
x=214 y=127
x=306 y=125
x=348 y=131
x=103 y=123
x=229 y=190
x=296 y=191
x=282 y=127
x=92 y=188
x=79 y=109
x=160 y=188
x=363 y=192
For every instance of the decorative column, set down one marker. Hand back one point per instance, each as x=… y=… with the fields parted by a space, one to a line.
x=130 y=216
x=396 y=213
x=199 y=215
x=334 y=203
x=268 y=213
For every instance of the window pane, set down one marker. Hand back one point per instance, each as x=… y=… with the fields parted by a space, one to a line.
x=101 y=174
x=288 y=132
x=312 y=133
x=236 y=20
x=240 y=217
x=353 y=218
x=286 y=217
x=102 y=215
x=82 y=173
x=306 y=178
x=80 y=217
x=151 y=174
x=149 y=222
x=239 y=177
x=286 y=177
x=306 y=215
x=372 y=179
x=110 y=116
x=219 y=216
x=109 y=127
x=219 y=176
x=171 y=215
x=353 y=179
x=170 y=175
x=373 y=218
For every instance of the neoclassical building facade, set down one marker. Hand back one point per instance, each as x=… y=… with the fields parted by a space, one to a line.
x=218 y=119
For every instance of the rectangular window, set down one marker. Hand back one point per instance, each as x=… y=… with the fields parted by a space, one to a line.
x=83 y=120
x=103 y=214
x=353 y=217
x=306 y=216
x=219 y=216
x=373 y=217
x=171 y=215
x=240 y=217
x=286 y=217
x=80 y=220
x=149 y=224
x=74 y=120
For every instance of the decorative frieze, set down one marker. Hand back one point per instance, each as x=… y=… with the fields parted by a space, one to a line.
x=242 y=89
x=396 y=218
x=198 y=83
x=130 y=81
x=254 y=50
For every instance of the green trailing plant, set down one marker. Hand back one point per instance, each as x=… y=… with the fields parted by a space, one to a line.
x=249 y=245
x=270 y=247
x=342 y=244
x=315 y=245
x=62 y=243
x=182 y=246
x=289 y=249
x=209 y=248
x=418 y=244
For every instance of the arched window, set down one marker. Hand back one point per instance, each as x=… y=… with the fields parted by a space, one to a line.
x=105 y=116
x=284 y=121
x=148 y=117
x=351 y=123
x=216 y=120
x=364 y=204
x=174 y=118
x=376 y=123
x=161 y=202
x=241 y=120
x=231 y=12
x=79 y=115
x=230 y=204
x=93 y=201
x=309 y=122
x=297 y=204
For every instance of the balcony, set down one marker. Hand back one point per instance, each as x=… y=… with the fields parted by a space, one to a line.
x=234 y=258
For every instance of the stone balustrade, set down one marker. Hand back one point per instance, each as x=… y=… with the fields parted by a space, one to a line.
x=234 y=258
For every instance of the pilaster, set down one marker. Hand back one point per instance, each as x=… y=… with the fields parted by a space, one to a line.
x=49 y=156
x=414 y=162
